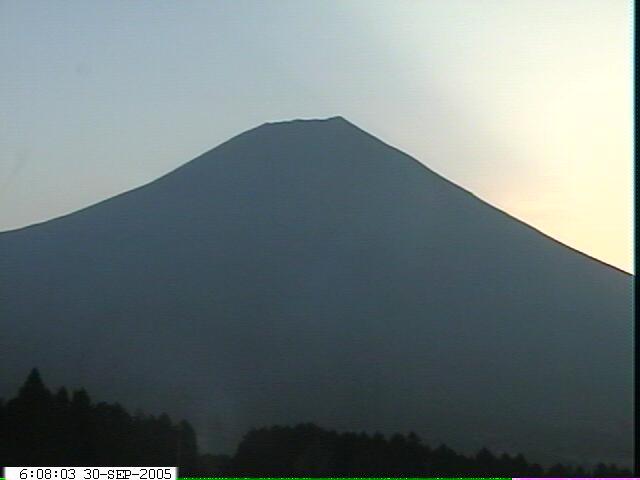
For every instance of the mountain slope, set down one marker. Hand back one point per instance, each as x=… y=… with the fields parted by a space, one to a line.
x=306 y=271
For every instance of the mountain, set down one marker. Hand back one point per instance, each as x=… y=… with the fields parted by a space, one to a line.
x=306 y=271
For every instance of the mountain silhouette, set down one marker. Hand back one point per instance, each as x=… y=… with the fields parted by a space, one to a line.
x=305 y=271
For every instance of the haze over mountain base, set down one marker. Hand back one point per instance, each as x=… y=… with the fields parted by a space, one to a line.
x=307 y=272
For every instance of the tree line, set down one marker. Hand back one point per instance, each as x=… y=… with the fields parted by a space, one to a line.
x=41 y=428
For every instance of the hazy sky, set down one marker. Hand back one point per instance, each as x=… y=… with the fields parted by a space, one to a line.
x=525 y=103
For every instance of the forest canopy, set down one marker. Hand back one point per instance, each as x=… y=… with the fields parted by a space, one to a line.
x=42 y=428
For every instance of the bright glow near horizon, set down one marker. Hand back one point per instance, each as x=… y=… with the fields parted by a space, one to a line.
x=528 y=104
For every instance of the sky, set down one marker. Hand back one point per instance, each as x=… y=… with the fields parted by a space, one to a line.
x=526 y=103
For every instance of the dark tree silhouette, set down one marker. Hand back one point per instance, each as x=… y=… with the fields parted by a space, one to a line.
x=43 y=429
x=307 y=450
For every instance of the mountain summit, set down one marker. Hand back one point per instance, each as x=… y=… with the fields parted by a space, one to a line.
x=306 y=271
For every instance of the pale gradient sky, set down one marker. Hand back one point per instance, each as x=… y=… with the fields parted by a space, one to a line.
x=528 y=104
